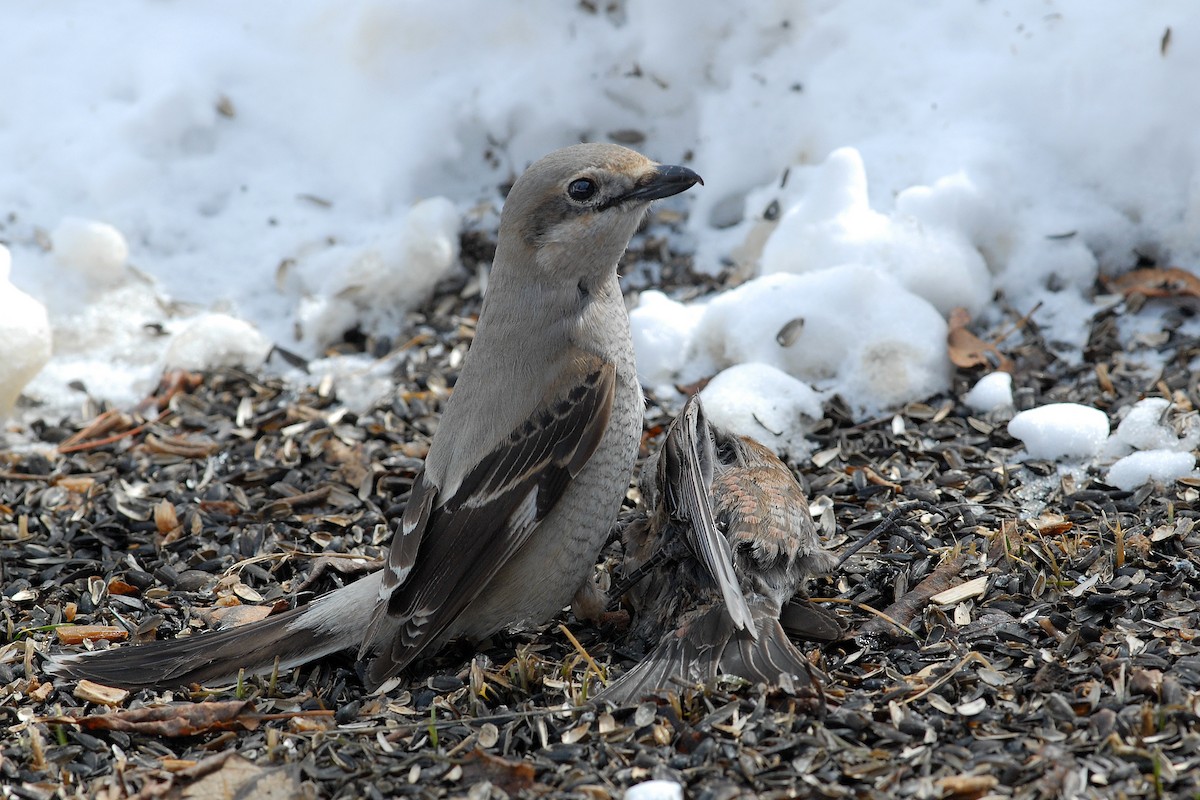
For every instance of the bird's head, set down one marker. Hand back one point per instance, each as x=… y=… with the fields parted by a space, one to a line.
x=576 y=209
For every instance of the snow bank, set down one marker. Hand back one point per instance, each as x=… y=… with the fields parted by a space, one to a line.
x=277 y=163
x=850 y=330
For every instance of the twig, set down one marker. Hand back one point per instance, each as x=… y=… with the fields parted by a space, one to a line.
x=70 y=446
x=864 y=607
x=971 y=657
x=905 y=608
x=1018 y=325
x=583 y=652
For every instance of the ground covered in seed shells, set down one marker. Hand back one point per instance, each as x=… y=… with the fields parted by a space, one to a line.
x=1062 y=662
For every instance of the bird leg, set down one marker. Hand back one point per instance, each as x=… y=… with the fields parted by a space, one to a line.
x=674 y=548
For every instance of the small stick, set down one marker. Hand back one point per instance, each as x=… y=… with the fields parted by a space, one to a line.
x=583 y=652
x=864 y=607
x=969 y=658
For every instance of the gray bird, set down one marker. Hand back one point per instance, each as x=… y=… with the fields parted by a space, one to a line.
x=528 y=467
x=724 y=544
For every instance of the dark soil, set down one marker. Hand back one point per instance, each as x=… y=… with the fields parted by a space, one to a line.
x=1070 y=668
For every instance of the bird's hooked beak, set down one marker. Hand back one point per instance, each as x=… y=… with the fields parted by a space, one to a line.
x=665 y=180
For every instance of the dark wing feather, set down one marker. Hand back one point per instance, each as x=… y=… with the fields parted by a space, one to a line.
x=669 y=666
x=686 y=477
x=461 y=542
x=407 y=543
x=707 y=646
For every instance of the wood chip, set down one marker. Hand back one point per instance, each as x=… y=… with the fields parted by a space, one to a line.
x=98 y=693
x=956 y=594
x=78 y=634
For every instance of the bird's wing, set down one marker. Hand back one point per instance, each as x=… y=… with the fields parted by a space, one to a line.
x=705 y=647
x=686 y=477
x=448 y=548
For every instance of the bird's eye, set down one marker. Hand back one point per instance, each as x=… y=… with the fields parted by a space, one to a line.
x=581 y=189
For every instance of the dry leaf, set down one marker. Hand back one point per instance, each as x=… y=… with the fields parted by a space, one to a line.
x=511 y=777
x=185 y=719
x=238 y=777
x=967 y=350
x=118 y=586
x=689 y=389
x=1154 y=282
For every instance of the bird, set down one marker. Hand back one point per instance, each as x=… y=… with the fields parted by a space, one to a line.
x=720 y=551
x=525 y=474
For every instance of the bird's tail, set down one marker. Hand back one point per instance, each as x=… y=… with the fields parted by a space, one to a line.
x=708 y=646
x=334 y=622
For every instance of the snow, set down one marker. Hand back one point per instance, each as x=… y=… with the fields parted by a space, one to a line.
x=96 y=250
x=1152 y=443
x=1147 y=426
x=1144 y=466
x=833 y=224
x=1061 y=431
x=365 y=286
x=655 y=790
x=868 y=167
x=216 y=340
x=765 y=403
x=1145 y=447
x=851 y=330
x=24 y=337
x=663 y=331
x=992 y=391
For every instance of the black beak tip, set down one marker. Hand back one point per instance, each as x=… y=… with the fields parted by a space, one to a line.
x=665 y=181
x=674 y=175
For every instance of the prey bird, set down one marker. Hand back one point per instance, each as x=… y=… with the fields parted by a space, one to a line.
x=724 y=546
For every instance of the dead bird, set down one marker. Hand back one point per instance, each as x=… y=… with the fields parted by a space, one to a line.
x=721 y=552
